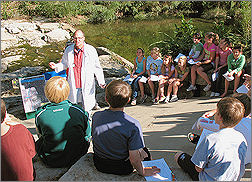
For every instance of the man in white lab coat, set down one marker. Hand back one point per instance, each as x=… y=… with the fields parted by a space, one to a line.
x=82 y=62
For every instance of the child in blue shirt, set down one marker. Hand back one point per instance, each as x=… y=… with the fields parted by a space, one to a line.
x=221 y=155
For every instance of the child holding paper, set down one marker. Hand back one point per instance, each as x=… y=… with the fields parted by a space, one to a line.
x=138 y=71
x=197 y=47
x=118 y=142
x=221 y=155
x=236 y=62
x=167 y=71
x=222 y=53
x=181 y=72
x=205 y=63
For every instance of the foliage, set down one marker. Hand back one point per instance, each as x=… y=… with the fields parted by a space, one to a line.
x=180 y=42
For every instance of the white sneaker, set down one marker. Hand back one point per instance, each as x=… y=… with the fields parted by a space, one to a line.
x=162 y=99
x=212 y=94
x=167 y=100
x=174 y=98
x=207 y=88
x=133 y=102
x=217 y=94
x=192 y=87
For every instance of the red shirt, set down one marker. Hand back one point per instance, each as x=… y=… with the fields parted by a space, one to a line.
x=17 y=151
x=78 y=56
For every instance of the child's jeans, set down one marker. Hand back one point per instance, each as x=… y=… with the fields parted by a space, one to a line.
x=135 y=86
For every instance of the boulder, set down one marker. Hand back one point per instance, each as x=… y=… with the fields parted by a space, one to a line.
x=35 y=38
x=84 y=170
x=57 y=35
x=111 y=68
x=123 y=61
x=8 y=60
x=47 y=27
x=44 y=173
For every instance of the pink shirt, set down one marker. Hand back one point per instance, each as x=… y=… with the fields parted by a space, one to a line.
x=78 y=55
x=223 y=55
x=212 y=48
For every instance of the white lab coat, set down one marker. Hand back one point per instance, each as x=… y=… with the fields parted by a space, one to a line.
x=91 y=68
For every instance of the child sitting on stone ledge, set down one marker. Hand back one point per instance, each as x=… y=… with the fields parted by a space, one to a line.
x=117 y=138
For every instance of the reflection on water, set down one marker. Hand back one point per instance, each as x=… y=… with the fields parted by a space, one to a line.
x=125 y=36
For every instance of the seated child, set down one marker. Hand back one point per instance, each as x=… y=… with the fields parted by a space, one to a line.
x=138 y=71
x=63 y=128
x=17 y=150
x=154 y=63
x=222 y=53
x=206 y=61
x=244 y=126
x=236 y=62
x=181 y=72
x=221 y=155
x=117 y=138
x=197 y=47
x=167 y=71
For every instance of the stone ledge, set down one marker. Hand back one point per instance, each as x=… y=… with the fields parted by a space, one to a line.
x=84 y=170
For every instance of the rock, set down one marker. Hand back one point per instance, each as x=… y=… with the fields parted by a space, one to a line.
x=123 y=61
x=68 y=27
x=44 y=173
x=23 y=72
x=34 y=38
x=11 y=28
x=8 y=60
x=7 y=39
x=111 y=68
x=47 y=27
x=57 y=35
x=84 y=170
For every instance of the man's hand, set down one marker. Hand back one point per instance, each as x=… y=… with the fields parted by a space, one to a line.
x=52 y=65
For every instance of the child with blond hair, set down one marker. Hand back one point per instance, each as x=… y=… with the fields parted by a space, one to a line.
x=181 y=72
x=154 y=63
x=63 y=127
x=167 y=71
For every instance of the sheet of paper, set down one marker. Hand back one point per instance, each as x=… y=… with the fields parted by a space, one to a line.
x=214 y=76
x=165 y=172
x=229 y=78
x=178 y=56
x=242 y=89
x=191 y=61
x=154 y=78
x=128 y=78
x=143 y=79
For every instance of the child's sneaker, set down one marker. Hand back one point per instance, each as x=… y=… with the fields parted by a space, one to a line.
x=167 y=99
x=217 y=94
x=133 y=102
x=174 y=98
x=192 y=87
x=156 y=102
x=212 y=94
x=207 y=88
x=153 y=99
x=162 y=99
x=143 y=99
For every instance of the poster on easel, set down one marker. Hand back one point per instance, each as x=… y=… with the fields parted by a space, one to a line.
x=32 y=91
